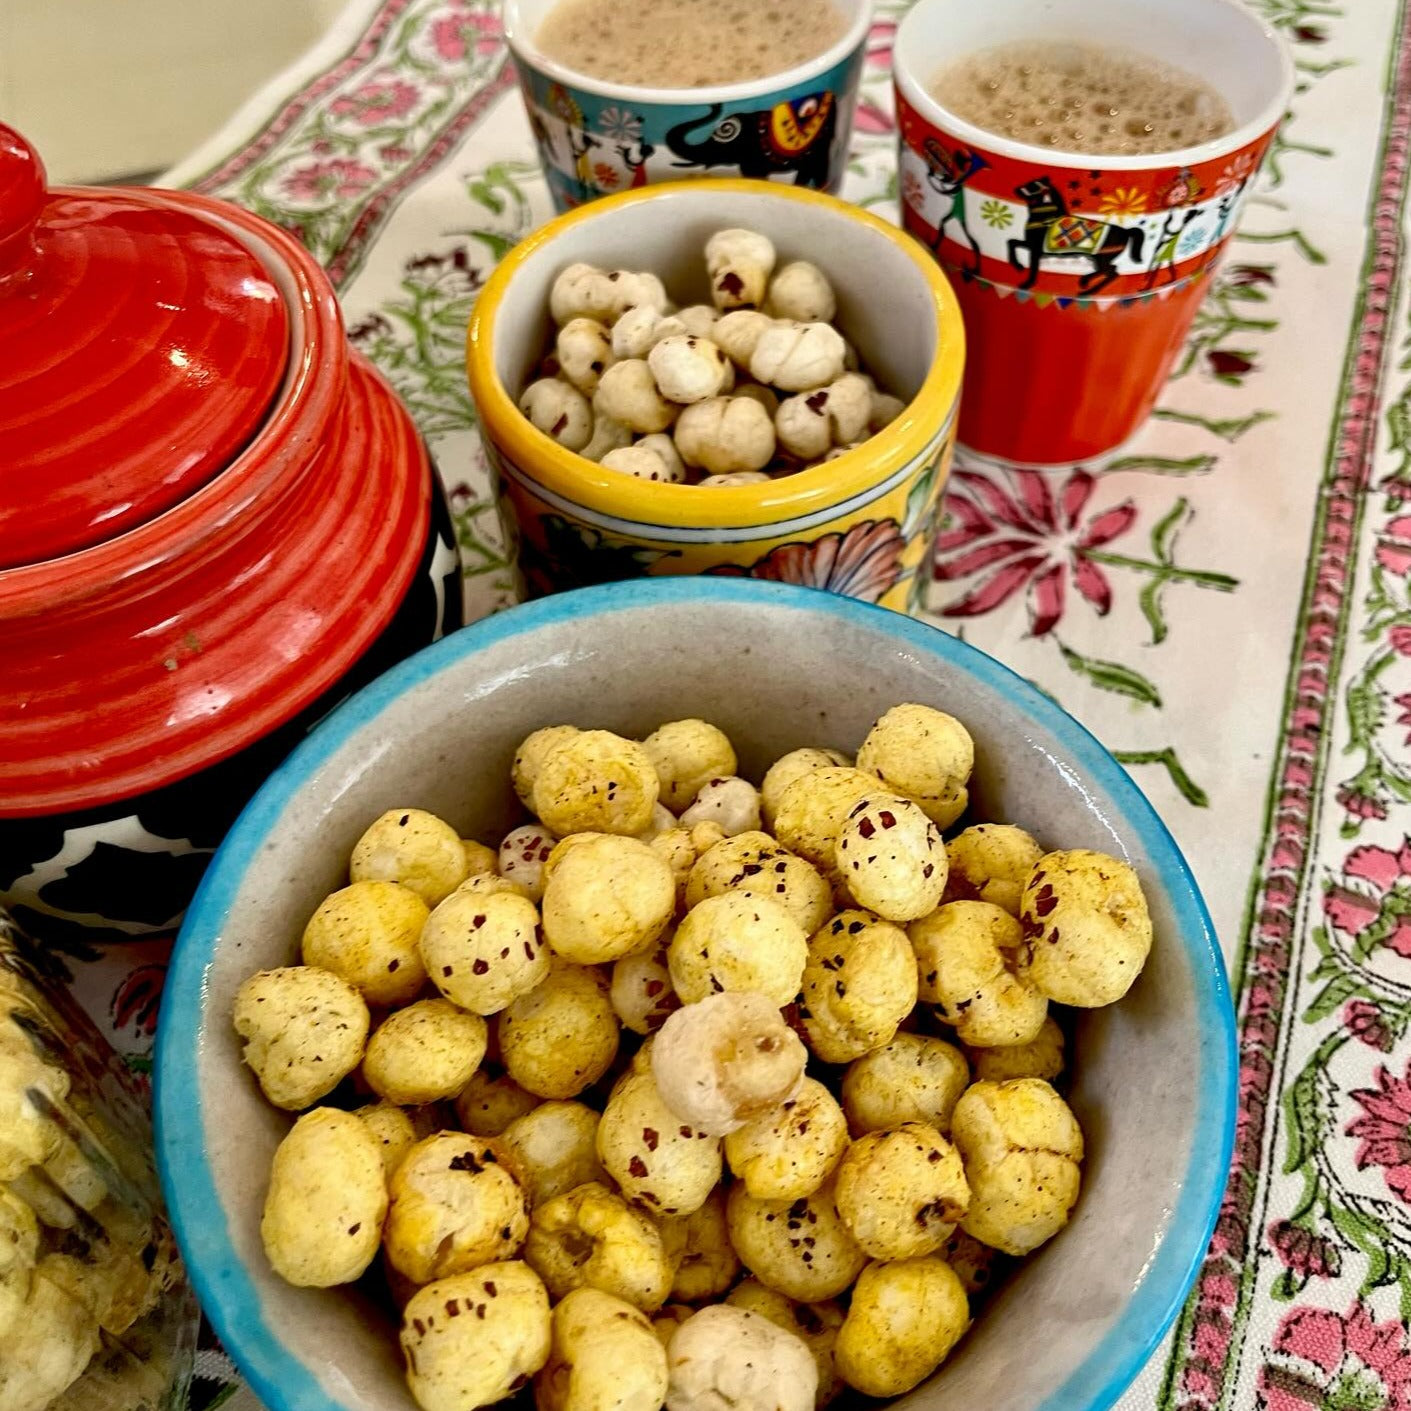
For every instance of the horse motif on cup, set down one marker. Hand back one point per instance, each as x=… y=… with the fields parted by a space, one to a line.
x=1052 y=232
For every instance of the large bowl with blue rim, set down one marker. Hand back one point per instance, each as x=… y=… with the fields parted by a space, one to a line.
x=1153 y=1078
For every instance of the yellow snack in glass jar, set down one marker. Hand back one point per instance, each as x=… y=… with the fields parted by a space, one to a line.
x=19 y=1252
x=52 y=1341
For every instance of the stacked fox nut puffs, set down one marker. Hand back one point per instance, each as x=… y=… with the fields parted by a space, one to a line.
x=691 y=1087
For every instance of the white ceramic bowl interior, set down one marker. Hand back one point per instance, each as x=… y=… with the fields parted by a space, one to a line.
x=884 y=305
x=776 y=667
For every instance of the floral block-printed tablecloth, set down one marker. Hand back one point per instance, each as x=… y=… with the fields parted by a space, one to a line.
x=1227 y=605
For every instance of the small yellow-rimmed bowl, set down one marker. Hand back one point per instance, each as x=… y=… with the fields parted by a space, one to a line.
x=862 y=524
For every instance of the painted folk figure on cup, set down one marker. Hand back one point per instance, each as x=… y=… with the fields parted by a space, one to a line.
x=1077 y=274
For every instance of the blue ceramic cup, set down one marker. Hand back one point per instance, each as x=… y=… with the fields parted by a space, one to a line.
x=596 y=137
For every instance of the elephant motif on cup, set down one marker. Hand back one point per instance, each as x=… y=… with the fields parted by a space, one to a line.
x=793 y=137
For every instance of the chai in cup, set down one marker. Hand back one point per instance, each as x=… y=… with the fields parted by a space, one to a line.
x=1081 y=98
x=1078 y=169
x=627 y=93
x=688 y=43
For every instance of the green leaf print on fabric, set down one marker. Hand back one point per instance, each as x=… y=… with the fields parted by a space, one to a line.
x=1164 y=465
x=1112 y=676
x=1169 y=760
x=479 y=535
x=1226 y=428
x=1296 y=238
x=1216 y=345
x=418 y=339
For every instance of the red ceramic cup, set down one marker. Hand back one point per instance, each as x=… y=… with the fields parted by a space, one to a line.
x=1078 y=275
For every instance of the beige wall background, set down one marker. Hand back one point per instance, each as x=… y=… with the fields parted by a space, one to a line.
x=108 y=89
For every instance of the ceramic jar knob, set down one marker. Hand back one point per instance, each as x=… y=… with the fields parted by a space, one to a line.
x=21 y=200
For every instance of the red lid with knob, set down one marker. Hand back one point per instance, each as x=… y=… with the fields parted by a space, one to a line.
x=140 y=349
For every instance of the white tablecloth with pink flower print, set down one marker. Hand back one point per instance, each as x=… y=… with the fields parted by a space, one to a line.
x=1227 y=605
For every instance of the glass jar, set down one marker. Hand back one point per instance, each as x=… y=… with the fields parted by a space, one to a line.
x=95 y=1310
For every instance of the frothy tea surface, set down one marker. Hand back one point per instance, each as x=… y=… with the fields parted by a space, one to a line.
x=687 y=43
x=1083 y=98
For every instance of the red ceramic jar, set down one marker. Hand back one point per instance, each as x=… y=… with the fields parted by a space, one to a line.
x=216 y=520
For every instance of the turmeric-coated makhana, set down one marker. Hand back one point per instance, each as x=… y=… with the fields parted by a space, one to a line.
x=688 y=1090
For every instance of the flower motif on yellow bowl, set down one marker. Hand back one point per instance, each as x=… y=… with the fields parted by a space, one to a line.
x=863 y=563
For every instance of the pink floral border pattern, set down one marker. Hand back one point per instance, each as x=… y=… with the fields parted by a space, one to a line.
x=359 y=57
x=1324 y=1359
x=1199 y=1375
x=333 y=161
